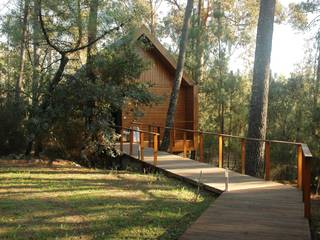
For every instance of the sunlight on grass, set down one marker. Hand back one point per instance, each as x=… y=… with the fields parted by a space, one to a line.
x=69 y=202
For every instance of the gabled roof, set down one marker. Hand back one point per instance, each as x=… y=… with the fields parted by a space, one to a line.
x=143 y=31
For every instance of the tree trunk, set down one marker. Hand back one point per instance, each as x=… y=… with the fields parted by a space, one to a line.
x=92 y=34
x=36 y=55
x=178 y=77
x=316 y=94
x=24 y=22
x=153 y=20
x=260 y=88
x=221 y=77
x=199 y=49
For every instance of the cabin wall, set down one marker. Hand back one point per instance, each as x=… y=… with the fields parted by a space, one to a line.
x=161 y=76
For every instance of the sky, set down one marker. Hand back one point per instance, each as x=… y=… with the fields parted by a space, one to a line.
x=287 y=50
x=288 y=46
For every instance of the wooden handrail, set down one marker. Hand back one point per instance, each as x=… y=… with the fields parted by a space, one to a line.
x=222 y=134
x=141 y=141
x=304 y=156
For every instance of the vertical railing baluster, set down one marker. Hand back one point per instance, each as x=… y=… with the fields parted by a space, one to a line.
x=306 y=185
x=131 y=141
x=155 y=149
x=299 y=166
x=220 y=151
x=159 y=131
x=243 y=156
x=171 y=141
x=141 y=146
x=121 y=139
x=184 y=144
x=267 y=161
x=201 y=147
x=149 y=136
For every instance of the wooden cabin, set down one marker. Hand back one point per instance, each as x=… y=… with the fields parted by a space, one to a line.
x=161 y=74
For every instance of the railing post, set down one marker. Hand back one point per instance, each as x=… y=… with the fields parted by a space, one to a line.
x=243 y=156
x=220 y=151
x=131 y=141
x=184 y=144
x=171 y=141
x=155 y=149
x=306 y=186
x=159 y=131
x=195 y=137
x=141 y=146
x=149 y=136
x=121 y=139
x=201 y=147
x=299 y=166
x=267 y=161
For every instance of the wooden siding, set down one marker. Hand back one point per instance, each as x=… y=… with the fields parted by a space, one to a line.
x=161 y=76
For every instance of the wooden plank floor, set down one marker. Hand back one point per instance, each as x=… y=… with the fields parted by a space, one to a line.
x=251 y=209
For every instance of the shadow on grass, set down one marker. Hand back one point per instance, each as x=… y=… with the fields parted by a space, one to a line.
x=142 y=209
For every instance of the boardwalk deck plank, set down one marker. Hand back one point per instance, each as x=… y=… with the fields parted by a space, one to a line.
x=251 y=209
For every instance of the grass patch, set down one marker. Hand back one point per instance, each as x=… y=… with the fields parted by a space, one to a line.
x=70 y=202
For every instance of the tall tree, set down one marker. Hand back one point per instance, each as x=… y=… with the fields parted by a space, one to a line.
x=178 y=76
x=36 y=37
x=92 y=34
x=260 y=87
x=24 y=23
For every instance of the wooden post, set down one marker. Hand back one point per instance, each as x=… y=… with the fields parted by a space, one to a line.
x=267 y=161
x=171 y=141
x=306 y=186
x=155 y=149
x=243 y=156
x=121 y=139
x=149 y=136
x=131 y=141
x=220 y=151
x=141 y=146
x=195 y=141
x=159 y=131
x=299 y=166
x=213 y=153
x=184 y=144
x=201 y=147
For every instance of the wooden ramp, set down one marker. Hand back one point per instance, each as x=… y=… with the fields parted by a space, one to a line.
x=251 y=208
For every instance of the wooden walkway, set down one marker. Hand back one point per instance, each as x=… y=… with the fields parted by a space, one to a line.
x=251 y=208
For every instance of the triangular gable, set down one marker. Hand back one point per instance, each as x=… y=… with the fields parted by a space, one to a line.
x=163 y=51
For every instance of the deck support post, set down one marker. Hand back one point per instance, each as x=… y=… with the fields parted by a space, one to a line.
x=243 y=156
x=155 y=149
x=184 y=144
x=299 y=166
x=201 y=147
x=220 y=151
x=131 y=141
x=267 y=161
x=141 y=146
